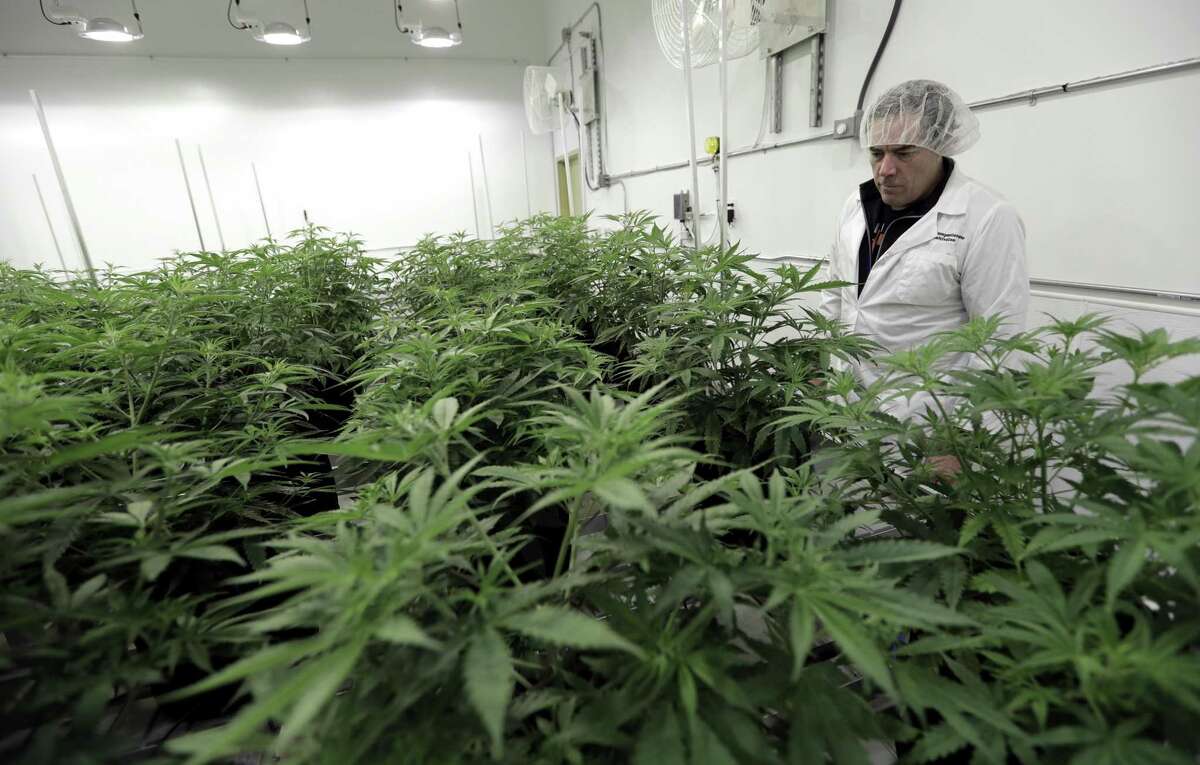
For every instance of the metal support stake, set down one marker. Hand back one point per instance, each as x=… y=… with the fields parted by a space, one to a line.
x=187 y=184
x=487 y=194
x=474 y=203
x=212 y=202
x=49 y=224
x=777 y=93
x=525 y=171
x=816 y=88
x=261 y=203
x=562 y=123
x=62 y=185
x=723 y=192
x=554 y=168
x=686 y=26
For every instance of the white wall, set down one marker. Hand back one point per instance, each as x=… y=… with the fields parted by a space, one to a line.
x=365 y=142
x=1104 y=179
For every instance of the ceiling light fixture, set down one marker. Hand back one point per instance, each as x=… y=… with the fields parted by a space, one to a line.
x=102 y=29
x=280 y=33
x=431 y=36
x=435 y=37
x=271 y=32
x=107 y=30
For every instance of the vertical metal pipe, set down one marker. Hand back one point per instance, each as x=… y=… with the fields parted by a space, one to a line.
x=776 y=93
x=62 y=185
x=686 y=25
x=474 y=202
x=554 y=167
x=487 y=192
x=562 y=124
x=261 y=202
x=723 y=189
x=525 y=170
x=212 y=202
x=187 y=184
x=49 y=224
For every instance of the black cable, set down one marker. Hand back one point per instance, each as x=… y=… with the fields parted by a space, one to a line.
x=229 y=16
x=137 y=17
x=307 y=20
x=586 y=166
x=887 y=33
x=396 y=11
x=42 y=5
x=578 y=127
x=457 y=16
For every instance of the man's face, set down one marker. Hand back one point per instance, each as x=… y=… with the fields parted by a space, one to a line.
x=903 y=174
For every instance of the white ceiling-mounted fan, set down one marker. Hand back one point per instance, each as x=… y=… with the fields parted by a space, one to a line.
x=547 y=95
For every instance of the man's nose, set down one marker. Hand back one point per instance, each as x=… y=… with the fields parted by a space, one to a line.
x=887 y=165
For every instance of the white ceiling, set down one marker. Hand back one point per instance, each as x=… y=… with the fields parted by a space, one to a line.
x=492 y=29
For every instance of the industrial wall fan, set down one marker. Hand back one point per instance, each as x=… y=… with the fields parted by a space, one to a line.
x=697 y=33
x=704 y=22
x=547 y=95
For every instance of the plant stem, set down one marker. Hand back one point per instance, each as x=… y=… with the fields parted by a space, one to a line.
x=568 y=538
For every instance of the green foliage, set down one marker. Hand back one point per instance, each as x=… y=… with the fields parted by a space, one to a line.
x=594 y=507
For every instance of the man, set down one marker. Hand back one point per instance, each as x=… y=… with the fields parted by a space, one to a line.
x=925 y=247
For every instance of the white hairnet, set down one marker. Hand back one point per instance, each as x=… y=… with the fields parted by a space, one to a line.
x=920 y=113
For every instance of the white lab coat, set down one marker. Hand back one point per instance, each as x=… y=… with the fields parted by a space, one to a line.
x=964 y=258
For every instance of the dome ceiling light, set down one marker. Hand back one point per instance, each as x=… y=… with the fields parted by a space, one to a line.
x=429 y=36
x=101 y=29
x=269 y=32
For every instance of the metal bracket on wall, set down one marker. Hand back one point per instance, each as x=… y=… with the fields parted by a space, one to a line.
x=816 y=85
x=816 y=88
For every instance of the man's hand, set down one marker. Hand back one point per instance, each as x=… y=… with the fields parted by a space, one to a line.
x=945 y=466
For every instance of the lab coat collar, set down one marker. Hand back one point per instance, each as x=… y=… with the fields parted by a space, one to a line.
x=954 y=197
x=953 y=201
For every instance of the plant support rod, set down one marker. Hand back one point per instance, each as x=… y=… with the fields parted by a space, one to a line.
x=62 y=185
x=212 y=202
x=685 y=25
x=49 y=223
x=487 y=192
x=261 y=202
x=525 y=174
x=187 y=184
x=723 y=189
x=562 y=125
x=474 y=202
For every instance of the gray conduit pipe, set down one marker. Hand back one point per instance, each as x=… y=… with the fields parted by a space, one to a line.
x=593 y=8
x=1189 y=303
x=1030 y=96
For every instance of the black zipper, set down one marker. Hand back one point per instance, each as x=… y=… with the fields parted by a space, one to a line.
x=876 y=241
x=881 y=237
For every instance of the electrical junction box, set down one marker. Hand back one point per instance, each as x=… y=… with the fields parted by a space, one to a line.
x=681 y=207
x=847 y=128
x=586 y=82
